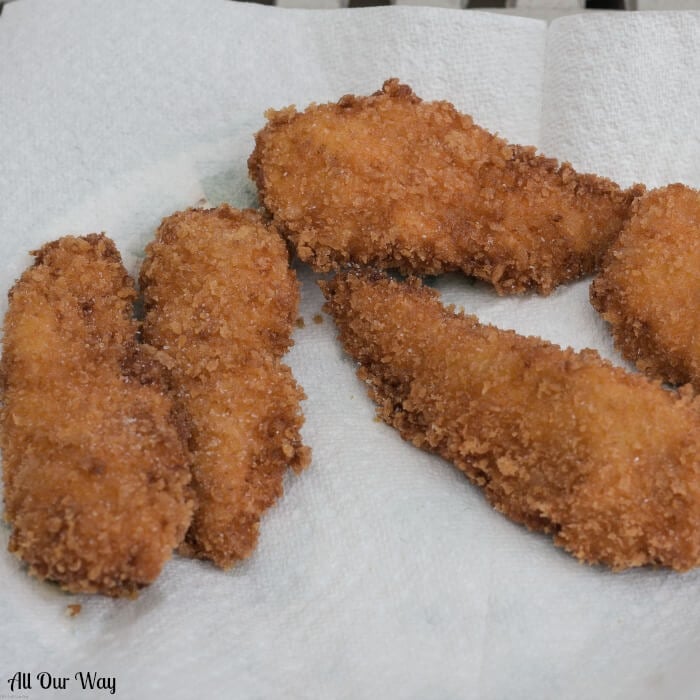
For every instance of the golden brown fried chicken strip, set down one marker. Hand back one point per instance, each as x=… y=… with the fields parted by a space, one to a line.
x=220 y=303
x=95 y=465
x=649 y=286
x=395 y=182
x=563 y=442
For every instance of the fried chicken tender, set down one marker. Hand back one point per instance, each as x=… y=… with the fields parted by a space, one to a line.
x=395 y=182
x=95 y=465
x=649 y=278
x=563 y=442
x=220 y=303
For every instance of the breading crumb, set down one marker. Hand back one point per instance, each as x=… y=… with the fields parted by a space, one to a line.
x=74 y=609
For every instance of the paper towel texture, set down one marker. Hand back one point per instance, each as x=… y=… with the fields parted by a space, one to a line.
x=620 y=95
x=382 y=572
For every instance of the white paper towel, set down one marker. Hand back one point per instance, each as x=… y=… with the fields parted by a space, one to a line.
x=621 y=95
x=382 y=572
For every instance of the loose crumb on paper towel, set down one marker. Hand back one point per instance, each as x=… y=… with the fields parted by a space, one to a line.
x=74 y=609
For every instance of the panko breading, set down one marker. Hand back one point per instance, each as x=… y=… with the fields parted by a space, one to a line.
x=95 y=465
x=220 y=304
x=563 y=442
x=395 y=182
x=650 y=284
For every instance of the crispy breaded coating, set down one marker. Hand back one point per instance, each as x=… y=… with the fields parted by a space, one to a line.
x=395 y=182
x=95 y=465
x=220 y=304
x=563 y=442
x=650 y=283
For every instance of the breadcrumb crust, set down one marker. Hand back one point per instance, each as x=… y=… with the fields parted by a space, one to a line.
x=562 y=442
x=220 y=303
x=650 y=283
x=95 y=466
x=395 y=182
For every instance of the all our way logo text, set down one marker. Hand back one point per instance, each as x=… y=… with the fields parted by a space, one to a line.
x=47 y=681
